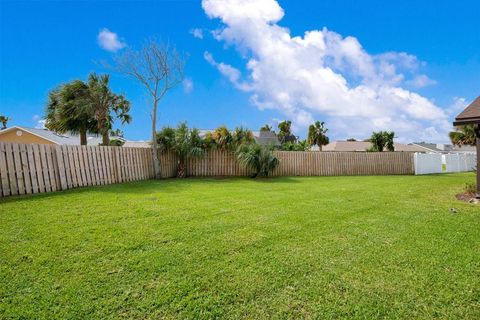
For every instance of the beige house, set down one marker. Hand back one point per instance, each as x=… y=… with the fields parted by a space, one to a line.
x=18 y=134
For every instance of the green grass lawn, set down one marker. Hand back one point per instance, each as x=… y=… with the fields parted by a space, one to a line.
x=327 y=247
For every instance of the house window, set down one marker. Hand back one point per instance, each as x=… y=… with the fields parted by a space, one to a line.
x=19 y=133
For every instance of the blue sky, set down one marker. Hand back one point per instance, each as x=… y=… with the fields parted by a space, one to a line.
x=432 y=46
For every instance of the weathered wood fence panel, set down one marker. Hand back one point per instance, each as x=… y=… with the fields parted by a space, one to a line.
x=343 y=163
x=33 y=168
x=223 y=163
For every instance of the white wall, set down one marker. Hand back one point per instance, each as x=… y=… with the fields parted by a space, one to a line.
x=460 y=162
x=426 y=163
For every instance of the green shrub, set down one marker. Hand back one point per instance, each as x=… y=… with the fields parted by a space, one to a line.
x=117 y=142
x=259 y=159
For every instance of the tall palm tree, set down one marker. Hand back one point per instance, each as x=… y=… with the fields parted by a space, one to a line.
x=102 y=102
x=317 y=135
x=4 y=121
x=68 y=110
x=463 y=136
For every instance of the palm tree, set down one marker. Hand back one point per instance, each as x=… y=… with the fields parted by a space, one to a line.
x=165 y=139
x=267 y=128
x=4 y=121
x=241 y=136
x=259 y=159
x=317 y=135
x=285 y=132
x=103 y=102
x=388 y=137
x=463 y=136
x=67 y=110
x=187 y=143
x=223 y=138
x=381 y=140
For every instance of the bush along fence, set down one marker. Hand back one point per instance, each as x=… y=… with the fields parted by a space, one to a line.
x=38 y=168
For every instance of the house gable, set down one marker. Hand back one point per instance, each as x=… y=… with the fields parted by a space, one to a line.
x=20 y=135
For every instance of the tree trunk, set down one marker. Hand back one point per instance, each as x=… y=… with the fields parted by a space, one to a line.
x=156 y=163
x=477 y=131
x=320 y=147
x=181 y=169
x=83 y=136
x=105 y=137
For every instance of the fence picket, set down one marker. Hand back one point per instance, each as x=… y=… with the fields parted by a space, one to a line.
x=25 y=168
x=50 y=168
x=4 y=171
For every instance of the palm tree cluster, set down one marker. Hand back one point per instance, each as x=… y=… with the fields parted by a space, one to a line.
x=317 y=136
x=80 y=107
x=382 y=140
x=187 y=143
x=224 y=139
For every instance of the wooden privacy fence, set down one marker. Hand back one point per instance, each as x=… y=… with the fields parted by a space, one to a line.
x=38 y=168
x=223 y=163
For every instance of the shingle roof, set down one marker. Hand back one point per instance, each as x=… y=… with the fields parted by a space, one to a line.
x=137 y=144
x=444 y=148
x=347 y=146
x=471 y=114
x=266 y=138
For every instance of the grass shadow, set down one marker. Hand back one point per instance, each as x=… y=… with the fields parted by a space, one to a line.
x=168 y=185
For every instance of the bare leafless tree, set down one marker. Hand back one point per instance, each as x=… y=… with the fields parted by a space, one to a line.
x=159 y=67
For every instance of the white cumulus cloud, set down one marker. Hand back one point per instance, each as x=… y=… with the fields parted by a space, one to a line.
x=110 y=41
x=323 y=75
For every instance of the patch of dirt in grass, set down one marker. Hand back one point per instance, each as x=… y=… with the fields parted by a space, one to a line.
x=467 y=197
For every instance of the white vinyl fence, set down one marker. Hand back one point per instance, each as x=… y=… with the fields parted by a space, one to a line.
x=460 y=162
x=428 y=163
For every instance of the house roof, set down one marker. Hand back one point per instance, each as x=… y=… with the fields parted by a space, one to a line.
x=137 y=144
x=347 y=146
x=266 y=138
x=60 y=139
x=471 y=114
x=443 y=148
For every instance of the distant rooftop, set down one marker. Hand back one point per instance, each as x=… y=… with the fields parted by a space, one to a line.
x=351 y=146
x=443 y=148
